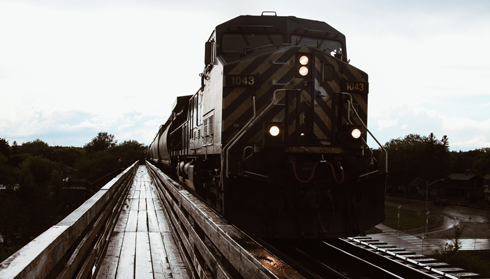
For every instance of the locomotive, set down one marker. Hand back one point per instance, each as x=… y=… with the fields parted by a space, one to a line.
x=275 y=138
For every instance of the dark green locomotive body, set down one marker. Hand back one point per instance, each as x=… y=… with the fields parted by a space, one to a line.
x=275 y=137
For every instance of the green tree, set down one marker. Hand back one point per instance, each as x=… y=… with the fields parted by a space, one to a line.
x=39 y=169
x=96 y=162
x=436 y=156
x=130 y=150
x=15 y=148
x=101 y=142
x=416 y=156
x=68 y=155
x=12 y=216
x=36 y=148
x=4 y=147
x=481 y=162
x=37 y=194
x=8 y=174
x=55 y=185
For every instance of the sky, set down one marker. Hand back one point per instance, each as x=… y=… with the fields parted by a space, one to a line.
x=71 y=69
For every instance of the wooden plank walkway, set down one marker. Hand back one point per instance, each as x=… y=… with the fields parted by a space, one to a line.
x=141 y=245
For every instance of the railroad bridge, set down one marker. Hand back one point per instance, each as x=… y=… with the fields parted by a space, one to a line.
x=141 y=224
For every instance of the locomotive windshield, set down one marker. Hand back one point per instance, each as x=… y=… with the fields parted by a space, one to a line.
x=333 y=47
x=236 y=45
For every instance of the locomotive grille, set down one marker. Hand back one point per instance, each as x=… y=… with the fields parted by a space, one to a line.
x=207 y=132
x=211 y=127
x=205 y=124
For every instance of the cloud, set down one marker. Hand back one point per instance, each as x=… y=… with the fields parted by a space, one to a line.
x=463 y=133
x=470 y=143
x=76 y=128
x=382 y=124
x=155 y=122
x=70 y=69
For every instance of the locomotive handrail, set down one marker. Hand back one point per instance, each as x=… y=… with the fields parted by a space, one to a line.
x=180 y=126
x=351 y=105
x=224 y=161
x=281 y=63
x=281 y=84
x=327 y=33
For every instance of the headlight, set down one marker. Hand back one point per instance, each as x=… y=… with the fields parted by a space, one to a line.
x=303 y=71
x=303 y=60
x=356 y=133
x=274 y=131
x=303 y=65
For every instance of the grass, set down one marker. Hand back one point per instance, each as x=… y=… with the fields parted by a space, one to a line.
x=373 y=230
x=408 y=218
x=476 y=261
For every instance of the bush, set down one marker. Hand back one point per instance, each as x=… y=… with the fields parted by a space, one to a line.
x=463 y=259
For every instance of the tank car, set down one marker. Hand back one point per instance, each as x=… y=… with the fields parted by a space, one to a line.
x=275 y=137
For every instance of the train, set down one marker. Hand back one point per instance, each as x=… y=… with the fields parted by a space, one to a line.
x=275 y=138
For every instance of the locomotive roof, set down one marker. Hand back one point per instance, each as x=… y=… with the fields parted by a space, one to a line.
x=286 y=25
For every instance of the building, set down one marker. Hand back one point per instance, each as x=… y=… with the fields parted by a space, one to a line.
x=464 y=185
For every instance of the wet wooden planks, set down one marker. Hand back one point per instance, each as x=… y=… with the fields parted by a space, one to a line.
x=141 y=245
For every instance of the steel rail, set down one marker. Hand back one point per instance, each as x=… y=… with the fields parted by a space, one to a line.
x=428 y=267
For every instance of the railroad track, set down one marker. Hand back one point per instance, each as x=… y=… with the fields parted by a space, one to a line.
x=214 y=248
x=362 y=257
x=421 y=263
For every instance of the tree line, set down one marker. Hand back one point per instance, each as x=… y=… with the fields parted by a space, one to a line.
x=32 y=176
x=429 y=158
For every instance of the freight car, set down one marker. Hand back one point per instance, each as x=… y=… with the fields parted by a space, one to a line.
x=275 y=137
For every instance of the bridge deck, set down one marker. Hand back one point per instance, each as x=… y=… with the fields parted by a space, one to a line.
x=141 y=245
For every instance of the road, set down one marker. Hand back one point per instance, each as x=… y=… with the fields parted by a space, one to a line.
x=444 y=218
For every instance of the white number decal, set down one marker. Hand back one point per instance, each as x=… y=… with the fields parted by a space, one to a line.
x=357 y=86
x=251 y=80
x=242 y=80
